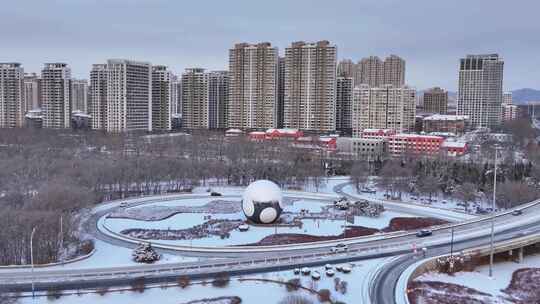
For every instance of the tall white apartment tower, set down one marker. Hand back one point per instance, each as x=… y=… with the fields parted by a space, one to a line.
x=480 y=89
x=129 y=95
x=218 y=99
x=387 y=107
x=163 y=94
x=56 y=95
x=97 y=107
x=507 y=98
x=394 y=71
x=32 y=92
x=79 y=95
x=344 y=103
x=253 y=71
x=12 y=102
x=310 y=86
x=195 y=99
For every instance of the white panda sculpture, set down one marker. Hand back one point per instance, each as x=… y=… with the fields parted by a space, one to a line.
x=262 y=202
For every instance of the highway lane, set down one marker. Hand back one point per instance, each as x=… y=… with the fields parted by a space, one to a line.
x=382 y=290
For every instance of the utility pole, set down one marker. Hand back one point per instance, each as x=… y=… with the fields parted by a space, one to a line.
x=492 y=214
x=32 y=259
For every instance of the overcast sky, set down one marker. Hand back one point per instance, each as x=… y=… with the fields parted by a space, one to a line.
x=431 y=35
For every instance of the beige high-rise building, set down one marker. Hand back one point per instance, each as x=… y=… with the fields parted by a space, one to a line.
x=344 y=103
x=281 y=92
x=162 y=98
x=377 y=73
x=79 y=95
x=371 y=71
x=97 y=106
x=218 y=99
x=480 y=93
x=195 y=99
x=129 y=96
x=394 y=71
x=32 y=91
x=253 y=71
x=310 y=86
x=387 y=107
x=56 y=95
x=12 y=102
x=435 y=101
x=346 y=68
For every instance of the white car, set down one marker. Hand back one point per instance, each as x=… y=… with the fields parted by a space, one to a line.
x=339 y=248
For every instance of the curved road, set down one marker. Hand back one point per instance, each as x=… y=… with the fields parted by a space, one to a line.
x=245 y=260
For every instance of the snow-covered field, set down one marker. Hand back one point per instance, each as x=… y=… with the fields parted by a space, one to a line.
x=249 y=291
x=319 y=227
x=480 y=280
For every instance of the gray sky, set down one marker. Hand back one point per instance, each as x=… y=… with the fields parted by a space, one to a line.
x=431 y=35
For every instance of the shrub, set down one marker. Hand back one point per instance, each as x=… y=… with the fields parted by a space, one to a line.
x=102 y=290
x=54 y=293
x=324 y=295
x=139 y=284
x=293 y=284
x=221 y=280
x=184 y=281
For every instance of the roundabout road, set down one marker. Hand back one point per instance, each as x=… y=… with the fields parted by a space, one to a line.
x=239 y=260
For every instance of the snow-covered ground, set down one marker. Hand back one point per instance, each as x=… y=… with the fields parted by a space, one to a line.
x=480 y=280
x=320 y=227
x=249 y=291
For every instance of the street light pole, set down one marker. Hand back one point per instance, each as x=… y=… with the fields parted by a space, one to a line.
x=492 y=215
x=32 y=259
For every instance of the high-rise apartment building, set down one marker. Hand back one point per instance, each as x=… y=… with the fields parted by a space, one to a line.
x=195 y=99
x=97 y=107
x=371 y=71
x=281 y=91
x=176 y=93
x=480 y=93
x=32 y=91
x=435 y=101
x=79 y=95
x=310 y=86
x=218 y=99
x=507 y=98
x=162 y=98
x=346 y=68
x=129 y=96
x=387 y=107
x=376 y=73
x=253 y=86
x=12 y=102
x=394 y=71
x=56 y=95
x=344 y=103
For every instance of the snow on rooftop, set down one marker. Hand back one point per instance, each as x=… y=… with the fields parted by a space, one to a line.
x=283 y=130
x=454 y=144
x=447 y=117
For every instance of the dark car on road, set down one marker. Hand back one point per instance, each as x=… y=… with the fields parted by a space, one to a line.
x=424 y=233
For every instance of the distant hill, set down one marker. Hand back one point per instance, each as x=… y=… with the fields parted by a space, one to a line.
x=521 y=96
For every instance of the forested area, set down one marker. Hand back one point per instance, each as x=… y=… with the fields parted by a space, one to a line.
x=47 y=176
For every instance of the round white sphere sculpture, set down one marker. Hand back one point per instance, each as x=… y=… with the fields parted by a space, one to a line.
x=262 y=202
